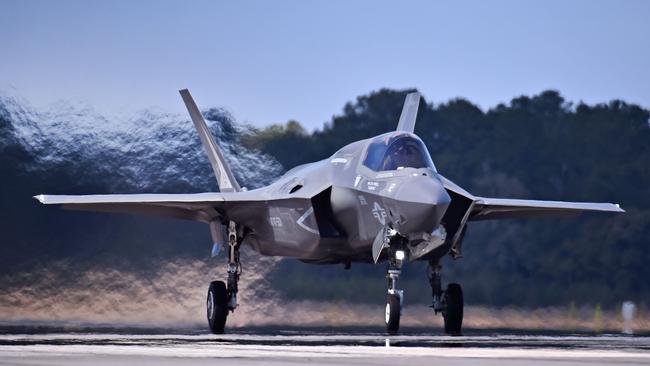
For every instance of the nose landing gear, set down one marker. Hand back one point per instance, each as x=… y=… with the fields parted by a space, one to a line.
x=395 y=297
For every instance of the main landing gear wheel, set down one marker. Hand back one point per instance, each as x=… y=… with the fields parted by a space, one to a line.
x=393 y=312
x=217 y=304
x=453 y=313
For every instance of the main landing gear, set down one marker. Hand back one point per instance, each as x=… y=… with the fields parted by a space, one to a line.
x=448 y=302
x=222 y=298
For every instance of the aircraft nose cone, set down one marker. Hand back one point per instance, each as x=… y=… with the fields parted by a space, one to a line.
x=422 y=189
x=423 y=201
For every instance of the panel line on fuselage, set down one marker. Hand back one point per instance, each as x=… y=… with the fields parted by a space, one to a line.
x=302 y=218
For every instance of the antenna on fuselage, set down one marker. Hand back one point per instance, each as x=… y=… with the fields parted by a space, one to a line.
x=409 y=113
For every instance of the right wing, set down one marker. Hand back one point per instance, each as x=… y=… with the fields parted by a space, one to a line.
x=210 y=208
x=202 y=207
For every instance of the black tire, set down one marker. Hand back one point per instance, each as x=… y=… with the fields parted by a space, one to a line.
x=217 y=306
x=393 y=312
x=453 y=314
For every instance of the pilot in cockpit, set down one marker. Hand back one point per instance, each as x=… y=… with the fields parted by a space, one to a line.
x=403 y=154
x=397 y=152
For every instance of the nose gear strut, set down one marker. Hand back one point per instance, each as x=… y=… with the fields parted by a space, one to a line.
x=434 y=275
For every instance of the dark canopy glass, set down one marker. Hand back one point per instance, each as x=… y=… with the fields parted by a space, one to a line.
x=393 y=153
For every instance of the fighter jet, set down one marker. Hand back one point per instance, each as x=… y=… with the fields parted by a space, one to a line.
x=376 y=200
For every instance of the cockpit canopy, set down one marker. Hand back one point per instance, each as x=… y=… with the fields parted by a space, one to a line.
x=395 y=152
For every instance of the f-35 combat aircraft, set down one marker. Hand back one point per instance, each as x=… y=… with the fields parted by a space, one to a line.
x=374 y=200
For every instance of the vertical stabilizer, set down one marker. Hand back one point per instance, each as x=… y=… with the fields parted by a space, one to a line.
x=222 y=172
x=409 y=113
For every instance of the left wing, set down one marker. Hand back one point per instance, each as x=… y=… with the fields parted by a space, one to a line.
x=499 y=208
x=484 y=208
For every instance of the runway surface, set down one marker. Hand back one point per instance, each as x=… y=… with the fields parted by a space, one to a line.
x=317 y=348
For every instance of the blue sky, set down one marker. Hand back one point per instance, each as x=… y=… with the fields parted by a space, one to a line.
x=268 y=62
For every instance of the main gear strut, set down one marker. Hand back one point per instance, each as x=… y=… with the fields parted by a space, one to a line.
x=234 y=265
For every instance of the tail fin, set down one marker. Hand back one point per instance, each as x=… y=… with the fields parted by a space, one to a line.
x=409 y=113
x=225 y=178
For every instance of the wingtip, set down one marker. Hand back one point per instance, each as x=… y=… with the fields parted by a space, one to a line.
x=40 y=198
x=620 y=209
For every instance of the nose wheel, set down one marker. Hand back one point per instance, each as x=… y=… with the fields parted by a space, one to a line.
x=393 y=313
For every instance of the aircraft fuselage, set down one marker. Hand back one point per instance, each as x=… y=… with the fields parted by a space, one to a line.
x=331 y=210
